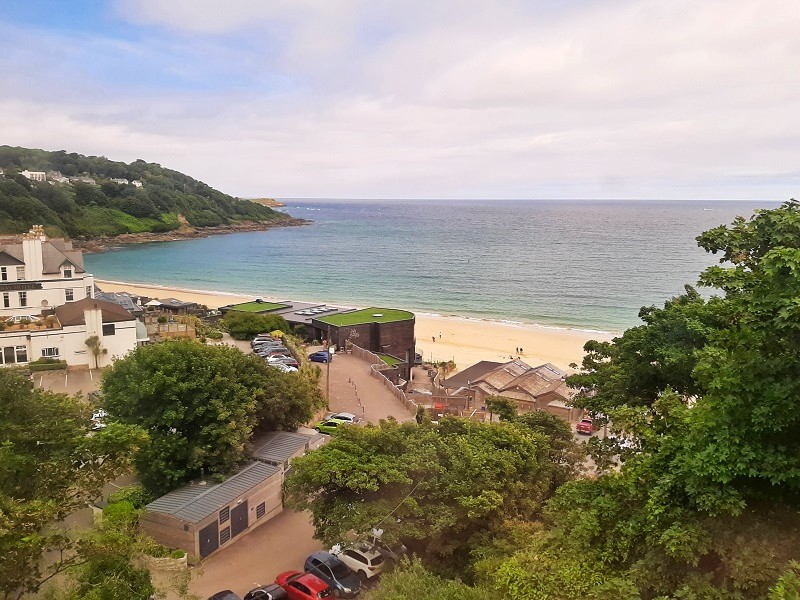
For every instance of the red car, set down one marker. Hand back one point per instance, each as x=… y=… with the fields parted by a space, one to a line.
x=303 y=586
x=585 y=426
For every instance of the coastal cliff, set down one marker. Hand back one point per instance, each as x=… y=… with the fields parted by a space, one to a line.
x=95 y=200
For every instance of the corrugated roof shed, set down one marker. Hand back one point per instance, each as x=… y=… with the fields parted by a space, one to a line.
x=193 y=503
x=279 y=446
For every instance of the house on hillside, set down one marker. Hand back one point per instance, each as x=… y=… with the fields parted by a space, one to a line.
x=136 y=183
x=120 y=181
x=34 y=175
x=83 y=179
x=532 y=388
x=56 y=177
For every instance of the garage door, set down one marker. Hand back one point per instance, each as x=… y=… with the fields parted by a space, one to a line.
x=239 y=519
x=209 y=539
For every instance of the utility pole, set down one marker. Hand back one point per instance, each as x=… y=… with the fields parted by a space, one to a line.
x=328 y=372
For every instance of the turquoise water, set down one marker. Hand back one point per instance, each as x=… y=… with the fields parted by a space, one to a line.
x=582 y=264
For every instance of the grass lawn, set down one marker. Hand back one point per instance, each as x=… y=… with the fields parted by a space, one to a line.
x=258 y=306
x=367 y=315
x=390 y=360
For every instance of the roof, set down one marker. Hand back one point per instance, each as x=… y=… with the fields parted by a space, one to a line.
x=175 y=303
x=470 y=374
x=367 y=315
x=518 y=380
x=258 y=306
x=193 y=503
x=55 y=252
x=280 y=446
x=71 y=313
x=124 y=300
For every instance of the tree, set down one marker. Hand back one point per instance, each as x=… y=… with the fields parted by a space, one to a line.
x=49 y=467
x=413 y=580
x=200 y=405
x=441 y=488
x=246 y=325
x=96 y=348
x=505 y=408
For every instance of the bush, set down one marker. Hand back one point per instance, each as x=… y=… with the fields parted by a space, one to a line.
x=47 y=364
x=245 y=326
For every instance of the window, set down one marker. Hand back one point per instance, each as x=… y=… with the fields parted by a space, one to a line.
x=20 y=273
x=22 y=354
x=225 y=535
x=67 y=273
x=355 y=556
x=108 y=329
x=23 y=298
x=3 y=274
x=88 y=291
x=224 y=515
x=69 y=295
x=6 y=300
x=50 y=352
x=261 y=510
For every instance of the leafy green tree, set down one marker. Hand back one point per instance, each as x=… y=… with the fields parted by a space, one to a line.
x=505 y=408
x=200 y=405
x=50 y=466
x=412 y=580
x=439 y=488
x=246 y=325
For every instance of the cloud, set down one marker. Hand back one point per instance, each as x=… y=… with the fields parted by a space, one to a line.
x=633 y=98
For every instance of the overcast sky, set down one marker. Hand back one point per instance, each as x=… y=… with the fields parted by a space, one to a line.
x=418 y=99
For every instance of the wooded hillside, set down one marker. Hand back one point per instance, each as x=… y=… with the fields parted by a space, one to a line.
x=165 y=201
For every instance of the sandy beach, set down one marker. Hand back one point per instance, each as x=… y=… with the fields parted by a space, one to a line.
x=465 y=341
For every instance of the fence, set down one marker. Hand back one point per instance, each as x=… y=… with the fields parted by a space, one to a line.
x=376 y=365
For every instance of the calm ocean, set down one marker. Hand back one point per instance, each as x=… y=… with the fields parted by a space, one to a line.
x=581 y=264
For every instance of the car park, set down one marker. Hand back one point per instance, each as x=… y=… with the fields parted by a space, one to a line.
x=321 y=357
x=361 y=558
x=330 y=426
x=267 y=592
x=343 y=582
x=303 y=586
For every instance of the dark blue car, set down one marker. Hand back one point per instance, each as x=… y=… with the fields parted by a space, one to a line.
x=322 y=357
x=343 y=582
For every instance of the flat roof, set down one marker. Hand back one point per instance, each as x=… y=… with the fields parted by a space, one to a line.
x=257 y=306
x=193 y=503
x=304 y=312
x=280 y=446
x=367 y=315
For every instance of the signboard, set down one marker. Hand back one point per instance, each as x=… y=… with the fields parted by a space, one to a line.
x=20 y=286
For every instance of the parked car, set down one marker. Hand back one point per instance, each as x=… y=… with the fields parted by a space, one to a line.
x=585 y=426
x=267 y=592
x=330 y=426
x=344 y=416
x=362 y=558
x=289 y=362
x=224 y=595
x=321 y=357
x=303 y=586
x=389 y=551
x=283 y=367
x=343 y=582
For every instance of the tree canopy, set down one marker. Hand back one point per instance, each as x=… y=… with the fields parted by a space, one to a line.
x=247 y=325
x=50 y=466
x=200 y=405
x=79 y=209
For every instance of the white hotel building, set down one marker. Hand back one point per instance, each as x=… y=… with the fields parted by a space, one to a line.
x=43 y=281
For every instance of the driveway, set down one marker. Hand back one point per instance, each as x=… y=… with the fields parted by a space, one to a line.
x=284 y=542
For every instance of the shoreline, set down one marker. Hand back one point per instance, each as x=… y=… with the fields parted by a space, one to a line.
x=466 y=340
x=107 y=243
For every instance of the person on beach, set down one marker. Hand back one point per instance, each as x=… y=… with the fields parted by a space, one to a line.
x=433 y=337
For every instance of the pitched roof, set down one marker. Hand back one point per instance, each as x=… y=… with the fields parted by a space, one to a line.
x=175 y=303
x=518 y=380
x=55 y=252
x=71 y=313
x=470 y=374
x=279 y=446
x=124 y=300
x=195 y=502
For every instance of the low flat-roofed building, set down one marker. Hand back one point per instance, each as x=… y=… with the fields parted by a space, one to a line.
x=201 y=519
x=278 y=448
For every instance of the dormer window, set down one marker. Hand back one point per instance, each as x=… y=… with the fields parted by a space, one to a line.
x=67 y=273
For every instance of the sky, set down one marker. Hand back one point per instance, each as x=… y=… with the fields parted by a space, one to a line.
x=541 y=99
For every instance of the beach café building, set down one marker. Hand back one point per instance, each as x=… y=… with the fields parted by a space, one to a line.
x=203 y=518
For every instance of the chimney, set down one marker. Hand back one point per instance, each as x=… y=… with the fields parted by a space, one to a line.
x=32 y=252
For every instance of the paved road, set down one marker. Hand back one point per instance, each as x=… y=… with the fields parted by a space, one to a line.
x=284 y=542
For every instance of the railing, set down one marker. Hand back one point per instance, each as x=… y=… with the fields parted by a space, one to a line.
x=376 y=365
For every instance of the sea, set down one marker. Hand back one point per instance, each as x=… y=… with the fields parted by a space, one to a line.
x=587 y=265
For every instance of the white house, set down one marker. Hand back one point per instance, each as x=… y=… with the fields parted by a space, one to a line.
x=36 y=275
x=136 y=183
x=120 y=181
x=34 y=175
